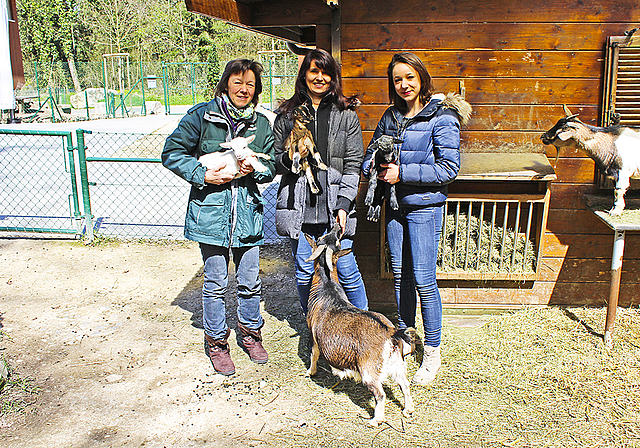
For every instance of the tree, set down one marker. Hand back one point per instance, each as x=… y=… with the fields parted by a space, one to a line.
x=48 y=30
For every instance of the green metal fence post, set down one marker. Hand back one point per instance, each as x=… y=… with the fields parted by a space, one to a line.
x=193 y=83
x=35 y=65
x=143 y=110
x=104 y=83
x=74 y=182
x=53 y=118
x=84 y=180
x=86 y=103
x=167 y=108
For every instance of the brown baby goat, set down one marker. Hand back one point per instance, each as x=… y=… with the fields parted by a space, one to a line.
x=356 y=343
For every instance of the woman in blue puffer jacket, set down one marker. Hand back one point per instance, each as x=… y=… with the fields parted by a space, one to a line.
x=428 y=127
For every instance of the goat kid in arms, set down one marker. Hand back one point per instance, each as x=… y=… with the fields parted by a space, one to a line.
x=301 y=147
x=360 y=344
x=615 y=149
x=384 y=152
x=237 y=150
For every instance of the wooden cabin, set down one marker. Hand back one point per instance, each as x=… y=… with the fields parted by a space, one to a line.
x=14 y=46
x=517 y=65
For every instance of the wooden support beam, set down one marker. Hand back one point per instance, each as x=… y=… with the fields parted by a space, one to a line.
x=336 y=34
x=227 y=10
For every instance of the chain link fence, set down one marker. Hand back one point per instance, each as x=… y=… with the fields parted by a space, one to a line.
x=125 y=191
x=117 y=87
x=39 y=183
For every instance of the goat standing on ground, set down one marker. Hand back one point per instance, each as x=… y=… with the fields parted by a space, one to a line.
x=615 y=149
x=238 y=149
x=356 y=343
x=301 y=148
x=384 y=152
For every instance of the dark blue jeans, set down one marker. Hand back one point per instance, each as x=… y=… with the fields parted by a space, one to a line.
x=348 y=272
x=413 y=237
x=216 y=278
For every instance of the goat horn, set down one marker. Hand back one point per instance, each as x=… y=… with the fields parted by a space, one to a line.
x=316 y=252
x=567 y=112
x=329 y=255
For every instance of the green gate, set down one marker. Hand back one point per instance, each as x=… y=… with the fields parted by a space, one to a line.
x=39 y=183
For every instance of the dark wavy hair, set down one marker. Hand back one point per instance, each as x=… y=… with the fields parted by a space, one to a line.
x=426 y=86
x=325 y=62
x=240 y=66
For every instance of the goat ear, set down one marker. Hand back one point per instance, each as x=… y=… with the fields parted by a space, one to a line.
x=311 y=241
x=225 y=145
x=564 y=135
x=250 y=139
x=342 y=252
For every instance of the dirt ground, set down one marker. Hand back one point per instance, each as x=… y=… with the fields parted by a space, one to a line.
x=112 y=337
x=107 y=341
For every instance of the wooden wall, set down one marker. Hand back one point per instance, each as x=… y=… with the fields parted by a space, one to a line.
x=518 y=69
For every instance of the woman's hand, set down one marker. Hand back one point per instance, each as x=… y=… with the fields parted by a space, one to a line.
x=216 y=176
x=341 y=219
x=245 y=166
x=390 y=173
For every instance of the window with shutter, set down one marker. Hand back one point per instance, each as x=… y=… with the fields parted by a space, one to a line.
x=621 y=90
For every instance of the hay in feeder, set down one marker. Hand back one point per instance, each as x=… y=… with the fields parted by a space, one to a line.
x=476 y=245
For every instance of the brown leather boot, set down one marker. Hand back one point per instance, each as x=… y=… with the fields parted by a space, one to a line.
x=252 y=342
x=218 y=351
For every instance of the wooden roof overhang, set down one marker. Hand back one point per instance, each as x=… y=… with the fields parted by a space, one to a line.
x=291 y=20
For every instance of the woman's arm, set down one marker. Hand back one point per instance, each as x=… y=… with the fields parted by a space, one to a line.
x=281 y=130
x=380 y=130
x=351 y=162
x=180 y=150
x=446 y=153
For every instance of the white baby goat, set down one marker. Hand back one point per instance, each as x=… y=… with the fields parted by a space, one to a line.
x=238 y=149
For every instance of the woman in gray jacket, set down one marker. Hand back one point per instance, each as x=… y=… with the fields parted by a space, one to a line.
x=338 y=139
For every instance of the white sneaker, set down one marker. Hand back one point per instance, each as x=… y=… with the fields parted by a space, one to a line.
x=430 y=365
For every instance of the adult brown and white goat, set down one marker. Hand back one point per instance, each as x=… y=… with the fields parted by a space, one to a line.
x=615 y=149
x=356 y=343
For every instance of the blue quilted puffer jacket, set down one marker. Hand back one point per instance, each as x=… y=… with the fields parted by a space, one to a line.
x=430 y=149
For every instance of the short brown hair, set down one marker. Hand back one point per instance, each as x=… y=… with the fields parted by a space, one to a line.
x=426 y=86
x=240 y=66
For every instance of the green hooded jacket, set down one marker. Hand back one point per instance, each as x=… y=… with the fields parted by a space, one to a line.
x=231 y=214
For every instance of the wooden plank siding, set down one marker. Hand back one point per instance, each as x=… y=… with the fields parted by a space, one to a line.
x=517 y=71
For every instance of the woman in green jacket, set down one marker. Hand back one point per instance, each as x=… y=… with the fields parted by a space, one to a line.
x=225 y=214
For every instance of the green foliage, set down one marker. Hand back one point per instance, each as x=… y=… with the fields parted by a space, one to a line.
x=50 y=30
x=55 y=30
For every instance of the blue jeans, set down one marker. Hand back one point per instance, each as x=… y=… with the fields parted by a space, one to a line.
x=348 y=272
x=216 y=278
x=413 y=237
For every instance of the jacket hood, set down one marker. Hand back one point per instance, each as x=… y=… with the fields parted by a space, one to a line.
x=451 y=100
x=457 y=103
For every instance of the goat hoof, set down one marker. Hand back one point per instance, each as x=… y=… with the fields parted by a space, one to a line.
x=374 y=422
x=310 y=373
x=615 y=212
x=407 y=412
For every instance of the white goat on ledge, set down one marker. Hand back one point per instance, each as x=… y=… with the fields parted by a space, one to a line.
x=615 y=149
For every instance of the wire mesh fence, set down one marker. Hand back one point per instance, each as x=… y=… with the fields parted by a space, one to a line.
x=38 y=183
x=119 y=87
x=129 y=194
